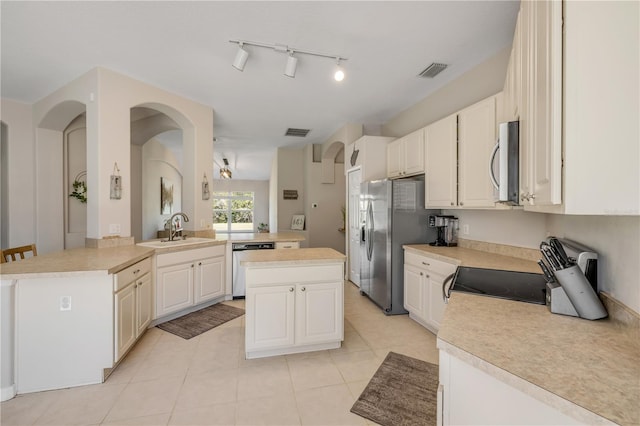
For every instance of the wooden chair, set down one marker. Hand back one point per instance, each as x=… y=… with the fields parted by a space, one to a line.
x=10 y=253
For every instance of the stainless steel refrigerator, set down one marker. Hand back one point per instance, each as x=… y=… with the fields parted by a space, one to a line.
x=393 y=214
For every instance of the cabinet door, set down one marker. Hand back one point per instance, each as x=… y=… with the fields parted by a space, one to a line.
x=125 y=314
x=319 y=313
x=143 y=303
x=209 y=279
x=353 y=229
x=476 y=139
x=174 y=288
x=435 y=303
x=414 y=290
x=441 y=159
x=269 y=318
x=413 y=155
x=395 y=157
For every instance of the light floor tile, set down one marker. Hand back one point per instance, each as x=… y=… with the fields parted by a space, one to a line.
x=26 y=409
x=356 y=366
x=277 y=410
x=208 y=389
x=154 y=420
x=158 y=365
x=314 y=372
x=216 y=414
x=146 y=398
x=256 y=382
x=356 y=388
x=327 y=405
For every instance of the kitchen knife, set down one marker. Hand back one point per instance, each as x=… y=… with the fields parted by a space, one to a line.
x=553 y=241
x=546 y=252
x=545 y=270
x=554 y=255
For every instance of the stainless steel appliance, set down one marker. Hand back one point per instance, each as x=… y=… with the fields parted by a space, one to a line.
x=447 y=228
x=511 y=285
x=508 y=146
x=237 y=273
x=571 y=272
x=394 y=215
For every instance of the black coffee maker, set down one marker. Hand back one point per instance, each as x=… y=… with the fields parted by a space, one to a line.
x=447 y=227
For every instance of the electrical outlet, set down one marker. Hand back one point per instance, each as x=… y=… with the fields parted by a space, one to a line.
x=314 y=205
x=465 y=229
x=65 y=303
x=114 y=228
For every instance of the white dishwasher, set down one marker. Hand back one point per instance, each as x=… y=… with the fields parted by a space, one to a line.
x=237 y=273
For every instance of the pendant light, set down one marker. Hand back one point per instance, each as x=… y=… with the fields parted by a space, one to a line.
x=292 y=63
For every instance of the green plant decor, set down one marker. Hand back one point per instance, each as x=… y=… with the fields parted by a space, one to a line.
x=79 y=191
x=263 y=227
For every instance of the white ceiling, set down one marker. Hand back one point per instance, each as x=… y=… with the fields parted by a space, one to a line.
x=183 y=47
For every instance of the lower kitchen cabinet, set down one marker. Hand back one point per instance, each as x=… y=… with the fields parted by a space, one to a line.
x=303 y=311
x=423 y=280
x=188 y=278
x=498 y=404
x=132 y=306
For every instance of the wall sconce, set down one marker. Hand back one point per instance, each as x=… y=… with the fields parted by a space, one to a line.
x=116 y=183
x=205 y=188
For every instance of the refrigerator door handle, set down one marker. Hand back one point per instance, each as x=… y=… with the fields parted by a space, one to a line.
x=369 y=232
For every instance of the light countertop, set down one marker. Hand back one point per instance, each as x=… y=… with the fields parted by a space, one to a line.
x=284 y=257
x=593 y=364
x=586 y=369
x=76 y=262
x=474 y=258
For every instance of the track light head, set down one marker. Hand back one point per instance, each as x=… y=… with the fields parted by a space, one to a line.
x=241 y=58
x=339 y=74
x=292 y=63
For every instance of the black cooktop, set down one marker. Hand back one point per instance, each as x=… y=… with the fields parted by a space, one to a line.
x=511 y=285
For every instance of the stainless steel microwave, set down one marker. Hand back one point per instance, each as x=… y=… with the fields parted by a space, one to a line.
x=505 y=177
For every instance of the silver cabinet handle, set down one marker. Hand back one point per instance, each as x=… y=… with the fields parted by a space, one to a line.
x=425 y=263
x=304 y=288
x=452 y=203
x=192 y=265
x=421 y=274
x=462 y=204
x=199 y=263
x=290 y=289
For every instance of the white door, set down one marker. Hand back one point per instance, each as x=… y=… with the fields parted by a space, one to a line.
x=125 y=305
x=143 y=303
x=175 y=288
x=269 y=317
x=413 y=291
x=209 y=282
x=353 y=217
x=319 y=313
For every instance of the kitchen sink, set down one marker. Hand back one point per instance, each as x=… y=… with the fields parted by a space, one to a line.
x=175 y=243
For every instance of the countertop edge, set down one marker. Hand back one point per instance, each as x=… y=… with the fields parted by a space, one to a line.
x=533 y=390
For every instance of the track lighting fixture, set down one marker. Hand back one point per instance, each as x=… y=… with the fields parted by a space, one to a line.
x=225 y=173
x=292 y=61
x=241 y=57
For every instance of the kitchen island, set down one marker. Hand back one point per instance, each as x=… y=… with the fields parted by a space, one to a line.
x=294 y=301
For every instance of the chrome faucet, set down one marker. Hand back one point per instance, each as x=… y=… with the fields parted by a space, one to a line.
x=173 y=230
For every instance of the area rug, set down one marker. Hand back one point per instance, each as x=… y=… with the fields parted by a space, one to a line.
x=198 y=322
x=401 y=392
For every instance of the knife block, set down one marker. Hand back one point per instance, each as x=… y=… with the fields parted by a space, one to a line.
x=579 y=291
x=558 y=302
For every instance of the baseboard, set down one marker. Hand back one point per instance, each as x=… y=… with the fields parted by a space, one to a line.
x=7 y=392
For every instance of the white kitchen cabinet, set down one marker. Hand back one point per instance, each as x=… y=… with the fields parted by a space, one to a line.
x=369 y=153
x=441 y=161
x=405 y=156
x=457 y=154
x=287 y=245
x=476 y=139
x=497 y=404
x=510 y=110
x=354 y=179
x=293 y=309
x=188 y=278
x=423 y=280
x=132 y=305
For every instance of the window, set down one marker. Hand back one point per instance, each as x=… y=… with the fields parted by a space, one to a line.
x=233 y=211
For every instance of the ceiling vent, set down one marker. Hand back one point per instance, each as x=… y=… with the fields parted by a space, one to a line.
x=433 y=70
x=301 y=133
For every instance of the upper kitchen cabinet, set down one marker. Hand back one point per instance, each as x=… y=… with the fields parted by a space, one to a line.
x=457 y=151
x=510 y=105
x=370 y=154
x=405 y=156
x=578 y=116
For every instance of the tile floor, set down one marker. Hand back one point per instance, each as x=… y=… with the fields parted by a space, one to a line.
x=166 y=380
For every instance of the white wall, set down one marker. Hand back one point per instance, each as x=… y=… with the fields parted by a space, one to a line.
x=19 y=199
x=49 y=190
x=273 y=195
x=260 y=189
x=290 y=176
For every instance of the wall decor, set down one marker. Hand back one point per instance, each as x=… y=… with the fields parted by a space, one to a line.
x=116 y=183
x=297 y=222
x=80 y=187
x=166 y=196
x=290 y=194
x=205 y=188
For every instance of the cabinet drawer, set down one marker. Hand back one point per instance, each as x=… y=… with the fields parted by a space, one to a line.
x=190 y=255
x=426 y=262
x=294 y=274
x=287 y=245
x=131 y=273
